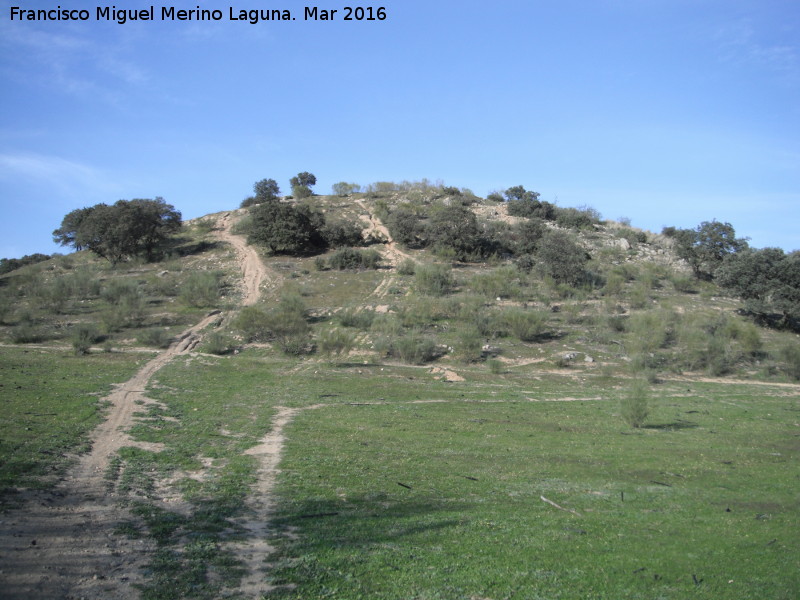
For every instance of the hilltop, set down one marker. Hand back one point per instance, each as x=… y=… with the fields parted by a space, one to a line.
x=422 y=274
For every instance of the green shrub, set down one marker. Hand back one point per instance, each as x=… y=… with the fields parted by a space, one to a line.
x=617 y=323
x=525 y=325
x=684 y=284
x=495 y=366
x=453 y=231
x=470 y=345
x=650 y=331
x=157 y=337
x=405 y=227
x=27 y=333
x=342 y=233
x=293 y=229
x=634 y=403
x=343 y=188
x=296 y=345
x=218 y=343
x=254 y=323
x=119 y=291
x=407 y=267
x=562 y=258
x=615 y=284
x=499 y=283
x=573 y=218
x=357 y=318
x=202 y=289
x=286 y=324
x=83 y=336
x=206 y=225
x=127 y=308
x=386 y=325
x=244 y=226
x=790 y=355
x=320 y=264
x=423 y=311
x=335 y=342
x=491 y=324
x=353 y=259
x=434 y=280
x=85 y=284
x=639 y=296
x=414 y=348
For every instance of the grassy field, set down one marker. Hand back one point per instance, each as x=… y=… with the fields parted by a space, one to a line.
x=396 y=485
x=443 y=500
x=50 y=404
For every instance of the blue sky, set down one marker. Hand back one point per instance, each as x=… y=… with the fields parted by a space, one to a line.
x=668 y=112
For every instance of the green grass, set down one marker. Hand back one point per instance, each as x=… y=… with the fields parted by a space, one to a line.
x=50 y=403
x=443 y=500
x=393 y=497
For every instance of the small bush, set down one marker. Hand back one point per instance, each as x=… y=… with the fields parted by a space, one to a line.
x=353 y=259
x=495 y=366
x=470 y=345
x=206 y=225
x=218 y=343
x=157 y=337
x=615 y=284
x=434 y=280
x=490 y=324
x=254 y=323
x=338 y=234
x=639 y=297
x=577 y=218
x=414 y=348
x=336 y=342
x=296 y=345
x=525 y=325
x=790 y=355
x=502 y=282
x=634 y=403
x=119 y=291
x=562 y=258
x=343 y=188
x=386 y=325
x=353 y=317
x=407 y=267
x=202 y=289
x=27 y=333
x=684 y=284
x=83 y=336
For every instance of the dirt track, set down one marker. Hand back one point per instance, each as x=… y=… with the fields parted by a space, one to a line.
x=61 y=543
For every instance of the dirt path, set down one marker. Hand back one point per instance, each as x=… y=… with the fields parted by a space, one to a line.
x=391 y=253
x=254 y=271
x=61 y=544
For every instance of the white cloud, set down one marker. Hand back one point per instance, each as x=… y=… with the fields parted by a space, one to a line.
x=65 y=176
x=74 y=63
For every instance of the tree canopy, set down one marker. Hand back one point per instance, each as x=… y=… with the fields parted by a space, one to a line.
x=287 y=228
x=121 y=231
x=706 y=246
x=768 y=280
x=301 y=184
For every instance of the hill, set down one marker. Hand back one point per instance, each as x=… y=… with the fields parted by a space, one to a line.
x=475 y=295
x=457 y=403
